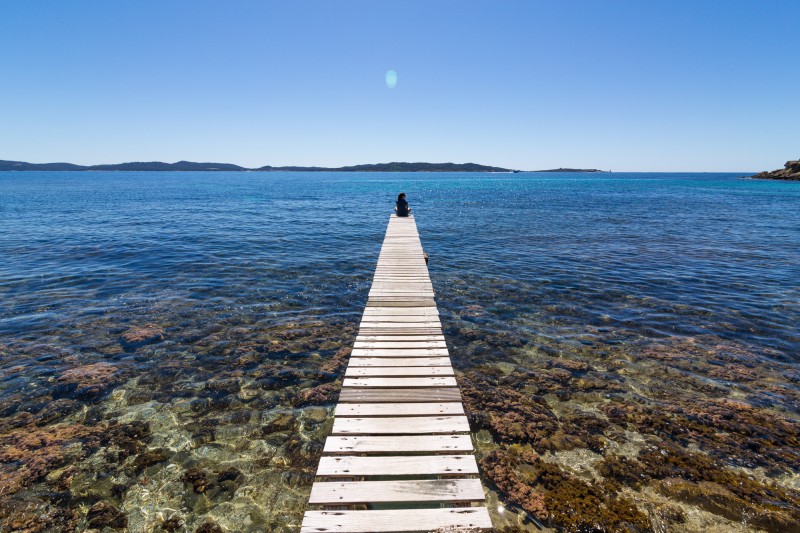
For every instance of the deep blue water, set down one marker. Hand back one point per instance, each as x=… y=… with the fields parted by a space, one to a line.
x=665 y=253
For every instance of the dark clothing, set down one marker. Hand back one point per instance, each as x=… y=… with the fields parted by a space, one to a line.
x=402 y=208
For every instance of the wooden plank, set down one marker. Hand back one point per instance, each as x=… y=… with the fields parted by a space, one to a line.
x=399 y=336
x=385 y=300
x=399 y=409
x=387 y=270
x=397 y=520
x=408 y=277
x=437 y=381
x=397 y=283
x=398 y=444
x=401 y=290
x=401 y=323
x=419 y=394
x=398 y=331
x=393 y=282
x=418 y=271
x=400 y=352
x=399 y=295
x=381 y=329
x=397 y=465
x=376 y=345
x=393 y=302
x=397 y=361
x=391 y=311
x=401 y=286
x=398 y=371
x=385 y=273
x=380 y=319
x=402 y=278
x=400 y=425
x=430 y=490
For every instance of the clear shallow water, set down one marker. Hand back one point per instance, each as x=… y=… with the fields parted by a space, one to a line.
x=660 y=296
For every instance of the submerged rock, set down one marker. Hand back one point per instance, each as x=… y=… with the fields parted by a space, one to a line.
x=559 y=499
x=198 y=479
x=323 y=394
x=209 y=527
x=139 y=336
x=150 y=458
x=493 y=403
x=103 y=514
x=34 y=515
x=87 y=382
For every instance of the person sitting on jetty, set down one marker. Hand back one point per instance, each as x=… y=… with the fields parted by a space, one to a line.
x=401 y=207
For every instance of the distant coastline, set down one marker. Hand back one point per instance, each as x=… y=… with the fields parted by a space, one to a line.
x=189 y=166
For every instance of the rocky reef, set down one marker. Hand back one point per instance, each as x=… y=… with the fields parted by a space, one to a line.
x=558 y=498
x=790 y=171
x=185 y=425
x=610 y=430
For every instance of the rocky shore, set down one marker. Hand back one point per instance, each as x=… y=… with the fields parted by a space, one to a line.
x=790 y=171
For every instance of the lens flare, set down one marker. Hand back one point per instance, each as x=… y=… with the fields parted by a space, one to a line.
x=391 y=79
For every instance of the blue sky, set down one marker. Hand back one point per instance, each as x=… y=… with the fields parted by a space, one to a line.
x=627 y=86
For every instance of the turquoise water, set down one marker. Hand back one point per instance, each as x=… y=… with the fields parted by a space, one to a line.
x=676 y=295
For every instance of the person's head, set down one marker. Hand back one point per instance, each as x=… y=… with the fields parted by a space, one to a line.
x=401 y=196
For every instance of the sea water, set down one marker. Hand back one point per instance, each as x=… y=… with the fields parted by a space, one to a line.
x=171 y=343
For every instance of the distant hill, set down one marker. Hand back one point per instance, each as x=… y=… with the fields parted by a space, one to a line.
x=570 y=170
x=149 y=166
x=399 y=167
x=19 y=165
x=182 y=166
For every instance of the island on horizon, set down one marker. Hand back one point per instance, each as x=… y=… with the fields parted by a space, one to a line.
x=189 y=166
x=571 y=170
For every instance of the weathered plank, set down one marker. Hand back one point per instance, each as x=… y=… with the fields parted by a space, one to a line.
x=377 y=345
x=419 y=394
x=400 y=276
x=397 y=520
x=400 y=425
x=400 y=324
x=394 y=302
x=392 y=311
x=397 y=361
x=378 y=328
x=398 y=444
x=380 y=319
x=435 y=381
x=397 y=465
x=398 y=371
x=430 y=490
x=399 y=409
x=399 y=352
x=398 y=336
x=401 y=290
x=403 y=285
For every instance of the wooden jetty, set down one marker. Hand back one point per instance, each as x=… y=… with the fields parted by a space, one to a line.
x=399 y=457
